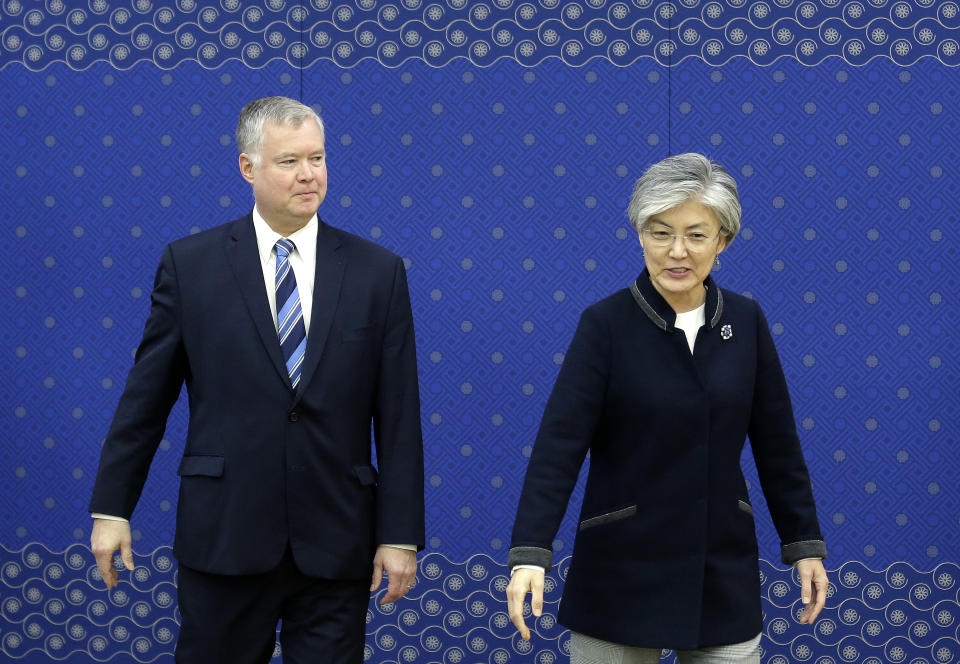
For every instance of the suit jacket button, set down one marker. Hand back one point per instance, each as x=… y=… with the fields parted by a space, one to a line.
x=292 y=417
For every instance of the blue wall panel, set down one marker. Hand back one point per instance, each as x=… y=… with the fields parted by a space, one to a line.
x=494 y=146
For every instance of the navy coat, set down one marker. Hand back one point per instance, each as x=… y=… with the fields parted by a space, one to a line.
x=666 y=552
x=266 y=465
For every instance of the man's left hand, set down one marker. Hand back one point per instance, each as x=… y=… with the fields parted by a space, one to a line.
x=813 y=588
x=400 y=566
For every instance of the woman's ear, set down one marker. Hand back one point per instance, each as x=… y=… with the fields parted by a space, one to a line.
x=723 y=244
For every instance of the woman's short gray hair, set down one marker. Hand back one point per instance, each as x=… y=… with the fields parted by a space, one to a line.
x=685 y=177
x=275 y=110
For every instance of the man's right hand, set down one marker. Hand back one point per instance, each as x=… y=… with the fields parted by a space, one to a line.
x=108 y=536
x=525 y=581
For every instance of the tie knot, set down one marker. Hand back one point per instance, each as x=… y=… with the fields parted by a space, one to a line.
x=285 y=247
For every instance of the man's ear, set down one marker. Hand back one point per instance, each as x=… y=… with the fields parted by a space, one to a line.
x=246 y=167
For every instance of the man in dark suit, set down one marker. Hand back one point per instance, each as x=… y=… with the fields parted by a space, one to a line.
x=292 y=337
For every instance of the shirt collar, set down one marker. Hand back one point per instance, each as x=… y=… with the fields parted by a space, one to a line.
x=304 y=238
x=661 y=314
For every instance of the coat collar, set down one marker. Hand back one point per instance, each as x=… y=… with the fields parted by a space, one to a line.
x=661 y=314
x=331 y=264
x=243 y=256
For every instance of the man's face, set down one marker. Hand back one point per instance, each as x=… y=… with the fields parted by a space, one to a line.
x=291 y=181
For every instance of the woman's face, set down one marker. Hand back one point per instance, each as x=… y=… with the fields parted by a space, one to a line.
x=679 y=269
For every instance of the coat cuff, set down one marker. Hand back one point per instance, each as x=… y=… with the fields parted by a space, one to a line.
x=795 y=551
x=530 y=555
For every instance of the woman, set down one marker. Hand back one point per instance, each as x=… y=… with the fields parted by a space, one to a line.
x=662 y=384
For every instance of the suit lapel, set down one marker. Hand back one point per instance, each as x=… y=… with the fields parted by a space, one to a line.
x=244 y=258
x=326 y=293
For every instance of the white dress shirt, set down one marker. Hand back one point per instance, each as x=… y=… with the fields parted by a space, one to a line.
x=303 y=261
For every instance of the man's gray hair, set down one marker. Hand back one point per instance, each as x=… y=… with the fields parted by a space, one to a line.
x=682 y=178
x=275 y=110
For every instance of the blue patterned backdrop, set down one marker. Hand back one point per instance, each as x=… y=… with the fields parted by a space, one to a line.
x=494 y=146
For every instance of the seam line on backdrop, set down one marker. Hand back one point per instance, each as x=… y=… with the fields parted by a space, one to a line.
x=303 y=52
x=669 y=87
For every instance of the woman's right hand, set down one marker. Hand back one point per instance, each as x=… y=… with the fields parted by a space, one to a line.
x=522 y=582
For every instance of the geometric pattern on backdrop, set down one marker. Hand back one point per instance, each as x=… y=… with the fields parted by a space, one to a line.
x=504 y=189
x=171 y=32
x=53 y=605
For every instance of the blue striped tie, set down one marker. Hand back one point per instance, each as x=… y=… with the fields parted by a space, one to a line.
x=290 y=327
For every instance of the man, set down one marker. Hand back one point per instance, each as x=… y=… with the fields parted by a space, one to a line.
x=292 y=337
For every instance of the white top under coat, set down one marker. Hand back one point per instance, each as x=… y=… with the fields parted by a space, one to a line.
x=691 y=322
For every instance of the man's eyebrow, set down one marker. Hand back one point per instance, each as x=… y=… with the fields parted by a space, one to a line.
x=289 y=153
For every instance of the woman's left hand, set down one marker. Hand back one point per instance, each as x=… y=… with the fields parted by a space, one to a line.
x=813 y=588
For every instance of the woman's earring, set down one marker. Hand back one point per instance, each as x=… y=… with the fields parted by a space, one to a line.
x=716 y=260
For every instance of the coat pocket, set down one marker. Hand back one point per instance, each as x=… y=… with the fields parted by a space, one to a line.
x=744 y=506
x=366 y=474
x=608 y=517
x=204 y=466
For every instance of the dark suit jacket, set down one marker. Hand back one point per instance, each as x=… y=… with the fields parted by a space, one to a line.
x=265 y=465
x=666 y=554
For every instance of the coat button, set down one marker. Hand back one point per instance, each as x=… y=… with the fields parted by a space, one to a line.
x=293 y=417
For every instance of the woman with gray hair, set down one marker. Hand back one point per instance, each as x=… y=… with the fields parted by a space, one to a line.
x=662 y=384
